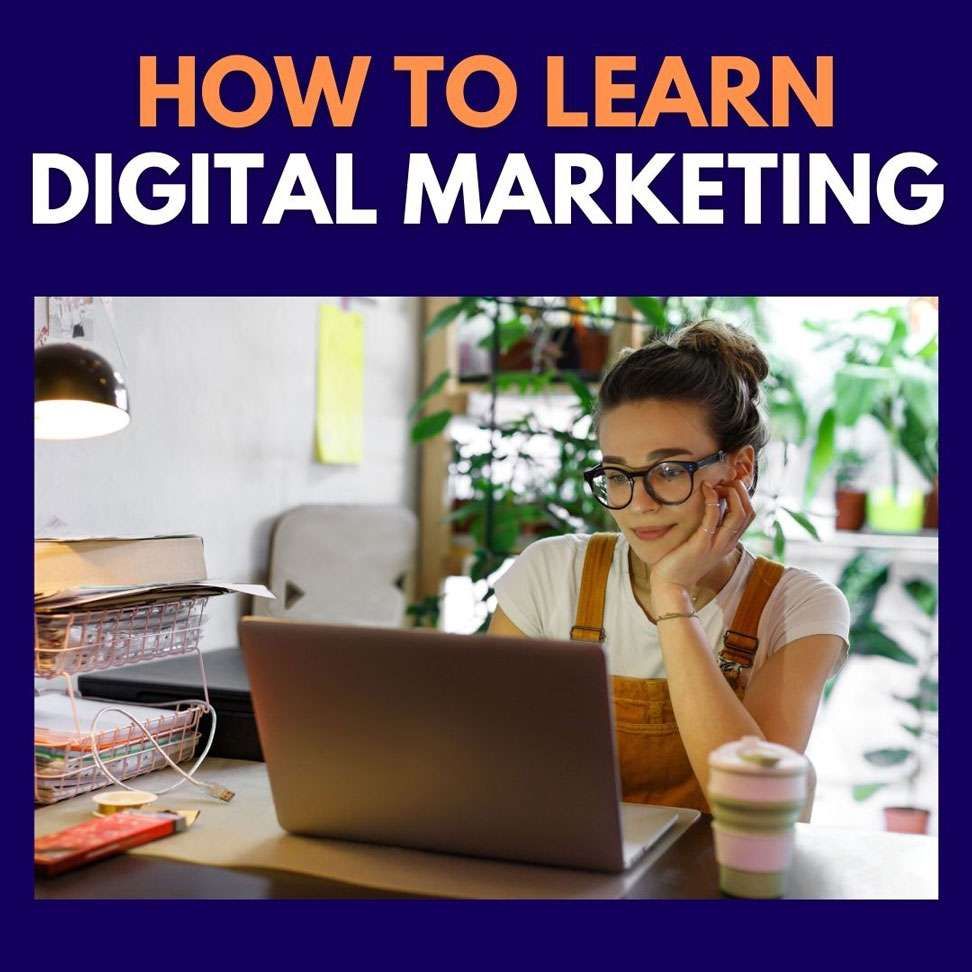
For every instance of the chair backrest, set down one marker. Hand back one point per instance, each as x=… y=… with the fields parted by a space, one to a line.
x=343 y=564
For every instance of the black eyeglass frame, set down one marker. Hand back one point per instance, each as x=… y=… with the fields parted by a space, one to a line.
x=690 y=466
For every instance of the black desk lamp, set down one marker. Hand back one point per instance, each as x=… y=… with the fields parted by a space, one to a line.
x=77 y=393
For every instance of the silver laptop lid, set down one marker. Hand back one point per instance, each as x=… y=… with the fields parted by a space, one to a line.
x=496 y=747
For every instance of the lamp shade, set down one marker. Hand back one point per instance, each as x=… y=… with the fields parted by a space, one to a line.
x=77 y=393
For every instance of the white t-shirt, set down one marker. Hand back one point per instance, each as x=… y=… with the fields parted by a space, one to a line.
x=539 y=591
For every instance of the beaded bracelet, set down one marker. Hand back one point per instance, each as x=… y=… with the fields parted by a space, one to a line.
x=676 y=614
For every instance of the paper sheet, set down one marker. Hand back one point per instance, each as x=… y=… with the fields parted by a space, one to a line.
x=120 y=595
x=340 y=386
x=54 y=717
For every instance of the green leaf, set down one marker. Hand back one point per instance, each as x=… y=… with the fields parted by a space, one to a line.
x=445 y=317
x=430 y=426
x=436 y=385
x=867 y=639
x=887 y=757
x=924 y=594
x=823 y=454
x=424 y=613
x=788 y=411
x=919 y=388
x=899 y=335
x=915 y=731
x=859 y=389
x=594 y=305
x=926 y=698
x=862 y=580
x=510 y=332
x=469 y=510
x=929 y=351
x=779 y=541
x=920 y=442
x=584 y=395
x=803 y=520
x=652 y=310
x=499 y=535
x=864 y=791
x=485 y=563
x=524 y=382
x=519 y=381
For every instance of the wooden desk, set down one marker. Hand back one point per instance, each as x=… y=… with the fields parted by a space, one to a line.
x=828 y=864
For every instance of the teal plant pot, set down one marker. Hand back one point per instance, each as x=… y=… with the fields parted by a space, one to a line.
x=895 y=513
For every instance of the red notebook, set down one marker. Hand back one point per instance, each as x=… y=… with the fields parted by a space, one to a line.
x=100 y=838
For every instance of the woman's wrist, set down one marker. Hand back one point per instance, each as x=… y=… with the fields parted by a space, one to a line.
x=670 y=598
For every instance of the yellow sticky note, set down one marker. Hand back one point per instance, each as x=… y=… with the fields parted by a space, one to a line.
x=340 y=386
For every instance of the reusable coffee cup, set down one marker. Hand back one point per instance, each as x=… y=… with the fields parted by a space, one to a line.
x=757 y=790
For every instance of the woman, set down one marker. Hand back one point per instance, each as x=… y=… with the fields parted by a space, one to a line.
x=705 y=643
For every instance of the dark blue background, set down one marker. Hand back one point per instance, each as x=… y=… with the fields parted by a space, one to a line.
x=72 y=87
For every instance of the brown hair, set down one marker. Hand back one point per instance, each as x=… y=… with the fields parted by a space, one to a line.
x=709 y=363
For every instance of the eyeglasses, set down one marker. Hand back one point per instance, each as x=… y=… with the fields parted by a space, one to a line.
x=668 y=482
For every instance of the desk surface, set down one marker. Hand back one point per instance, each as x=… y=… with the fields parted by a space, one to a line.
x=828 y=863
x=687 y=871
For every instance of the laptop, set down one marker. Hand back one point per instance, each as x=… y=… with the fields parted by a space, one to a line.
x=492 y=747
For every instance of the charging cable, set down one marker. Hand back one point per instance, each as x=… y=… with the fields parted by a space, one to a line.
x=216 y=790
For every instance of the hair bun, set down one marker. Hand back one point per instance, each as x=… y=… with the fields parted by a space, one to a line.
x=736 y=348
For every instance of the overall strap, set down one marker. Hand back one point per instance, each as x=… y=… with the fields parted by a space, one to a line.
x=739 y=643
x=589 y=620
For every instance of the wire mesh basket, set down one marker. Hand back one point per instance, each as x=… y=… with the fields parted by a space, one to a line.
x=69 y=643
x=62 y=753
x=180 y=746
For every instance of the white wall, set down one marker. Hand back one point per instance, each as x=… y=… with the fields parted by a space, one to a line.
x=222 y=431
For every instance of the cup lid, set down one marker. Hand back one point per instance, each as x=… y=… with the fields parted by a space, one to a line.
x=759 y=757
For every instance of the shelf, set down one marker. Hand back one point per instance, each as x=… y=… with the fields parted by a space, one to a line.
x=924 y=542
x=481 y=383
x=916 y=548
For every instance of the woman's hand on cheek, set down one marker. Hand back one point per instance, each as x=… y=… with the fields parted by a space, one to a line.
x=678 y=572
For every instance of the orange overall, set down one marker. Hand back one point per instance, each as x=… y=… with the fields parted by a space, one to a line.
x=654 y=765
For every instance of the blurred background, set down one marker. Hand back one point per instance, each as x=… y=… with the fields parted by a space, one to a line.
x=848 y=488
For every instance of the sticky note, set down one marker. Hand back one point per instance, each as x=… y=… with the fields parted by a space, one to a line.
x=340 y=386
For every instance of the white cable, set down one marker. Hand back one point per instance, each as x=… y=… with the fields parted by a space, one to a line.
x=213 y=789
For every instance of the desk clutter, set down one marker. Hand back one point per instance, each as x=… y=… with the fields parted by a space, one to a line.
x=102 y=603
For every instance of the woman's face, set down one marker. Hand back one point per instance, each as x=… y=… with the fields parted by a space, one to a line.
x=638 y=434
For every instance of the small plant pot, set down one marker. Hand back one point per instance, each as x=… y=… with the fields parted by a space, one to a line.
x=895 y=513
x=461 y=524
x=851 y=509
x=534 y=528
x=906 y=820
x=930 y=521
x=518 y=357
x=592 y=347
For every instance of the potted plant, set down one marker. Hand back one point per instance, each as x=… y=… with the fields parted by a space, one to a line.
x=862 y=581
x=930 y=518
x=849 y=498
x=922 y=727
x=896 y=387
